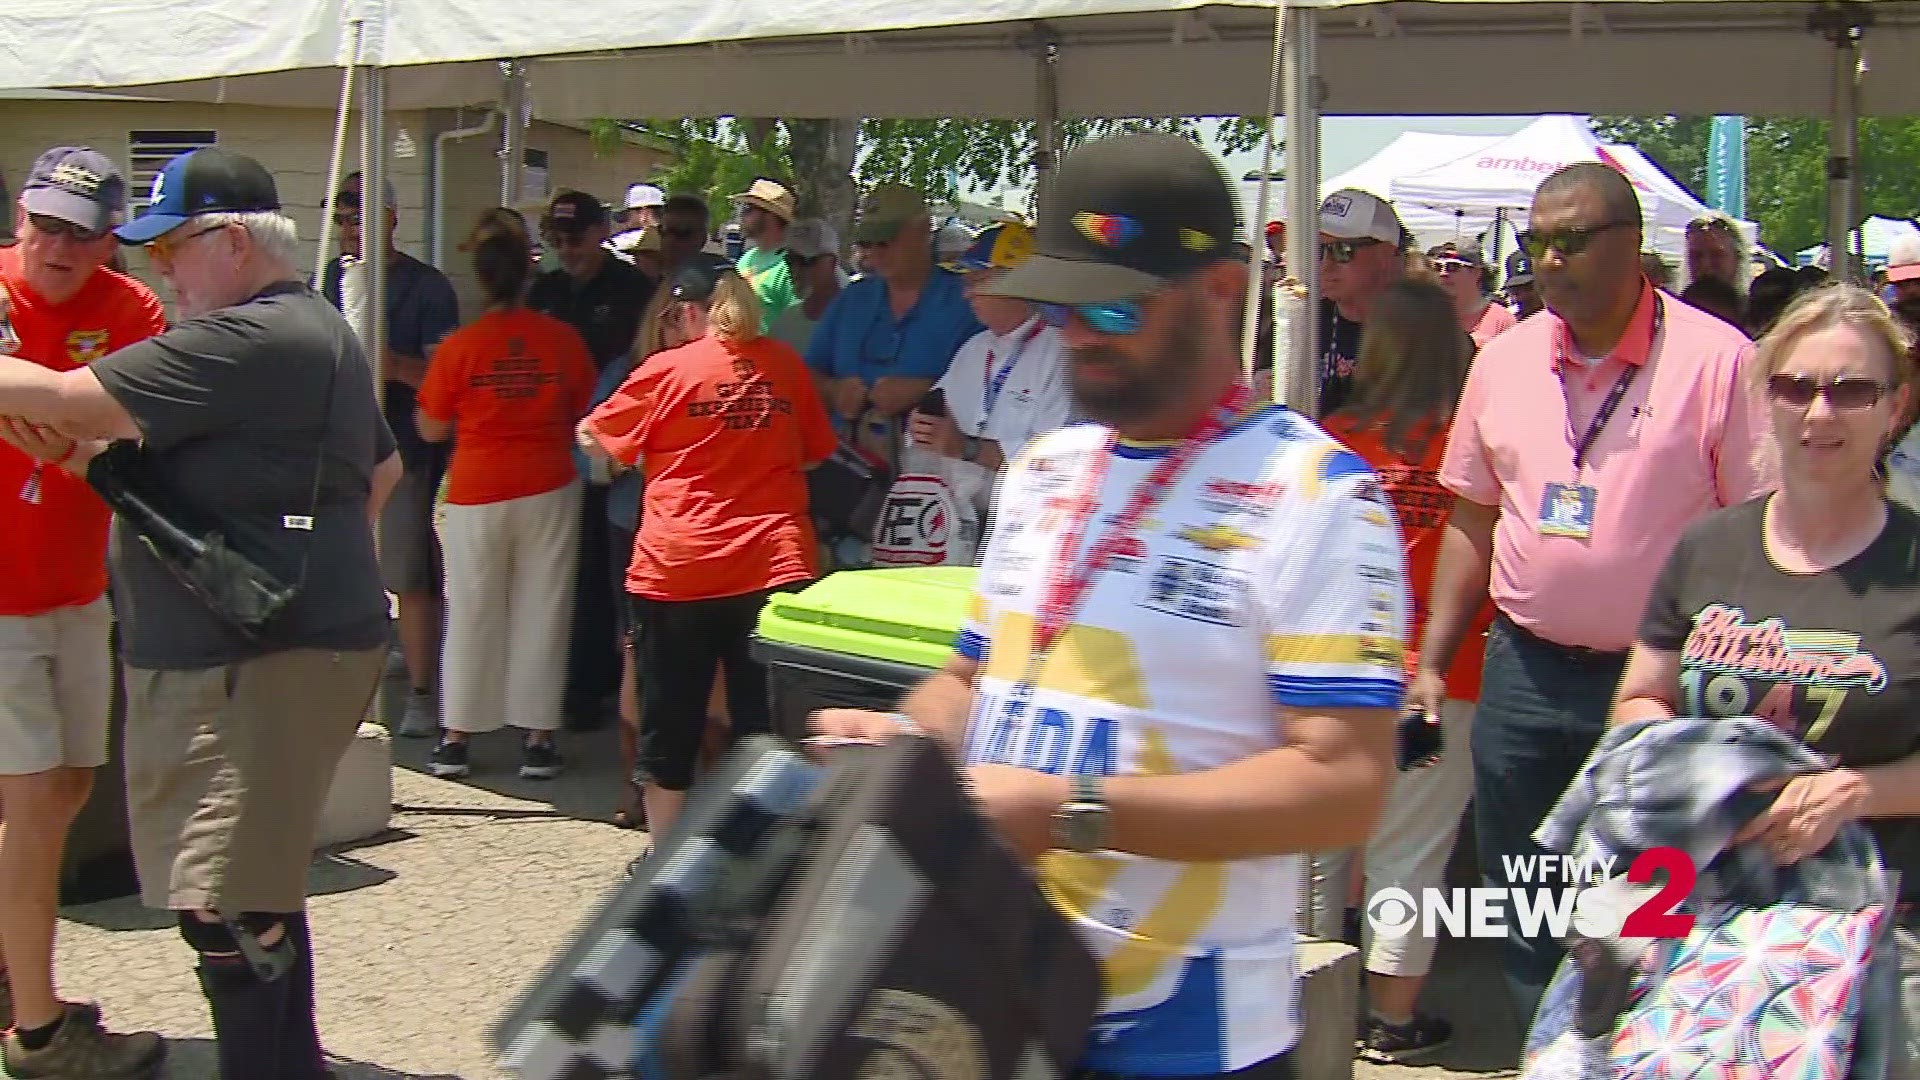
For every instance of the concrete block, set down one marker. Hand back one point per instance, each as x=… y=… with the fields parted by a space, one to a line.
x=360 y=803
x=1329 y=1007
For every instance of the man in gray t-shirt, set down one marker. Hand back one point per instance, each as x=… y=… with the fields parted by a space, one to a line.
x=232 y=739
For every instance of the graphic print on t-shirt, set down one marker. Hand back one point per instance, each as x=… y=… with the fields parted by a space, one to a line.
x=746 y=403
x=1795 y=679
x=514 y=375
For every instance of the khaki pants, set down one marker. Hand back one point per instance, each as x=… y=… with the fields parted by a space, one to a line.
x=227 y=769
x=510 y=588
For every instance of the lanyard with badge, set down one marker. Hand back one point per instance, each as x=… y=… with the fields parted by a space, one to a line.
x=1068 y=582
x=994 y=380
x=31 y=491
x=1568 y=509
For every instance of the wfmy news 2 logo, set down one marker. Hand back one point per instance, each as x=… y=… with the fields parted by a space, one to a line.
x=1559 y=896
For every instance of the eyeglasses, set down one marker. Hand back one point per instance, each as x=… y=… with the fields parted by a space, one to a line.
x=347 y=219
x=1446 y=266
x=164 y=248
x=1568 y=242
x=1343 y=251
x=1711 y=224
x=1115 y=318
x=1844 y=394
x=52 y=227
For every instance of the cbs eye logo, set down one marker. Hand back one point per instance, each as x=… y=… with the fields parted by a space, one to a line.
x=1392 y=912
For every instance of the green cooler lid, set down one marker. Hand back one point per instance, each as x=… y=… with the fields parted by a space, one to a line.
x=908 y=615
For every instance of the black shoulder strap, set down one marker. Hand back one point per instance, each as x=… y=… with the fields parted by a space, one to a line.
x=310 y=522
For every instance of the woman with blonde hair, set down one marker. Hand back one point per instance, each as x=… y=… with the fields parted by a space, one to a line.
x=1413 y=363
x=723 y=428
x=1829 y=558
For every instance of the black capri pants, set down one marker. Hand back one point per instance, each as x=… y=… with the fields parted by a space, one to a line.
x=676 y=644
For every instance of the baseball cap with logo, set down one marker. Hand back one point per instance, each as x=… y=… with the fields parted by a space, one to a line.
x=998 y=247
x=1519 y=269
x=810 y=238
x=885 y=211
x=1903 y=259
x=572 y=212
x=695 y=281
x=1123 y=216
x=769 y=195
x=75 y=184
x=642 y=195
x=1453 y=250
x=1352 y=214
x=206 y=181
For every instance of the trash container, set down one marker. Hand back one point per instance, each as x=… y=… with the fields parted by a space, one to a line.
x=858 y=638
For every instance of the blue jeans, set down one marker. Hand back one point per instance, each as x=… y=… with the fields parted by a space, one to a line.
x=1542 y=709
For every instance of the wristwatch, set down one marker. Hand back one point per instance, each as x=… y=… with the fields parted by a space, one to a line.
x=969 y=449
x=1083 y=821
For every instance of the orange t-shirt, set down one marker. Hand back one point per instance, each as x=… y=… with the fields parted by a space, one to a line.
x=723 y=432
x=1422 y=506
x=512 y=383
x=53 y=553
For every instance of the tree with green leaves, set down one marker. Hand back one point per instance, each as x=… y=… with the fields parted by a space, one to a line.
x=1786 y=168
x=824 y=160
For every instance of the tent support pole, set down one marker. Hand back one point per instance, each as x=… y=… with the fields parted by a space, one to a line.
x=373 y=180
x=1046 y=129
x=1258 y=286
x=513 y=135
x=1299 y=385
x=1844 y=23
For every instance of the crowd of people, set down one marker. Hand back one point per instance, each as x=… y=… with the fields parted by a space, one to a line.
x=1200 y=622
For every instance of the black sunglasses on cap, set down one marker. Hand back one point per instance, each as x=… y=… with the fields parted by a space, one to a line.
x=1568 y=241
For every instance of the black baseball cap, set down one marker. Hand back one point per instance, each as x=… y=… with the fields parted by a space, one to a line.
x=1121 y=217
x=208 y=181
x=76 y=184
x=573 y=211
x=1519 y=269
x=695 y=281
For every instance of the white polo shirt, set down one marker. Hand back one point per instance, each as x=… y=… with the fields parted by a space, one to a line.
x=1034 y=399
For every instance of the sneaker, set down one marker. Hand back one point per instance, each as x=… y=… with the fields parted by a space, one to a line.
x=540 y=761
x=449 y=760
x=83 y=1050
x=422 y=717
x=1388 y=1044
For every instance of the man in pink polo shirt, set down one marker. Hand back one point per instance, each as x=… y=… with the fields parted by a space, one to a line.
x=1586 y=440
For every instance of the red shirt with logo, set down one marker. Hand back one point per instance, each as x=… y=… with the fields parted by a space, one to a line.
x=53 y=553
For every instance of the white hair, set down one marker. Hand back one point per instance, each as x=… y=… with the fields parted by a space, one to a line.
x=277 y=235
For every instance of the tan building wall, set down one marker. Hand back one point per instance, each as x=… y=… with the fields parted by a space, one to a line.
x=295 y=145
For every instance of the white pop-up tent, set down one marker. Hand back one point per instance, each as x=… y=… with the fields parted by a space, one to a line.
x=1877 y=235
x=1499 y=180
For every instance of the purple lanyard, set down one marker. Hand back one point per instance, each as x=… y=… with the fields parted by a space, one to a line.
x=992 y=382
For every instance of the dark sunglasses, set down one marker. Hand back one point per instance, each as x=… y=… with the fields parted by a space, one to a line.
x=1114 y=317
x=1843 y=395
x=1343 y=251
x=1442 y=266
x=679 y=232
x=1568 y=242
x=53 y=226
x=557 y=238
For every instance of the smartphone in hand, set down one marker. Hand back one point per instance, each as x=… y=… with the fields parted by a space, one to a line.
x=934 y=404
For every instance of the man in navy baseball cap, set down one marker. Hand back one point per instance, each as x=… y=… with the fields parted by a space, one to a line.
x=77 y=185
x=209 y=181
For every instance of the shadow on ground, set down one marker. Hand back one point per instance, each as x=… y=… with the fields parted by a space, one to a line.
x=194 y=1059
x=334 y=871
x=1465 y=987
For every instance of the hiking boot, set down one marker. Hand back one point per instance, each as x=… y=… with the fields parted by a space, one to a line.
x=540 y=761
x=422 y=717
x=449 y=760
x=83 y=1050
x=1389 y=1044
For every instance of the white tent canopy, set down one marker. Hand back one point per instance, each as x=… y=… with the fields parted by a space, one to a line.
x=936 y=57
x=1503 y=176
x=1877 y=237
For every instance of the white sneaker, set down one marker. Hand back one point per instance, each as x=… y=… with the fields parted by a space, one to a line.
x=422 y=717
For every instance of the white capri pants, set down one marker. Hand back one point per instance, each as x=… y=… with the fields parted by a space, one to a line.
x=510 y=570
x=1410 y=847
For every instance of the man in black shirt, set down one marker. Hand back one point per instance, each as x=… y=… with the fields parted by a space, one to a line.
x=602 y=297
x=421 y=310
x=1361 y=250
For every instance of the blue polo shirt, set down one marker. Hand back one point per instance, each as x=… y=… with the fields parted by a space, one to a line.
x=858 y=334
